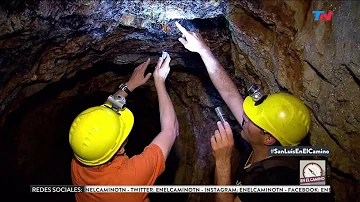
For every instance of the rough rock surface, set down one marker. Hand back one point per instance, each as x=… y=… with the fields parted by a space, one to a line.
x=281 y=46
x=58 y=58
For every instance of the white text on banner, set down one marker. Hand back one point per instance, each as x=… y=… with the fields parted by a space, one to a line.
x=208 y=189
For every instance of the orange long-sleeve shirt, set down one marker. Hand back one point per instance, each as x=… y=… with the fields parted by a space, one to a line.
x=142 y=169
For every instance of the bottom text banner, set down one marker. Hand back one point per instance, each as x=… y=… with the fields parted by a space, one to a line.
x=182 y=189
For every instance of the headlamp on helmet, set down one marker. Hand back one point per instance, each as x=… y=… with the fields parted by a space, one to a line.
x=257 y=94
x=118 y=102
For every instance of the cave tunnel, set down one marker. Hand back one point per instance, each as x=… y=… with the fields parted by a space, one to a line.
x=45 y=119
x=59 y=59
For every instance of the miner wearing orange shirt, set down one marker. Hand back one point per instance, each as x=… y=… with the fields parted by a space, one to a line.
x=98 y=137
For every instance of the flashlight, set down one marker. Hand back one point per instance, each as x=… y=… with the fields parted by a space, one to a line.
x=163 y=56
x=223 y=114
x=220 y=114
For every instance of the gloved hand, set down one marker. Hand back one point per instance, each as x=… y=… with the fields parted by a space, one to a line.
x=162 y=69
x=137 y=78
x=192 y=41
x=222 y=143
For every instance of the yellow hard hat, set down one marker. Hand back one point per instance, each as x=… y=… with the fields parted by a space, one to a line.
x=97 y=133
x=282 y=115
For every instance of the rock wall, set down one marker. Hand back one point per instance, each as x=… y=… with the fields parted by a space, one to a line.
x=280 y=46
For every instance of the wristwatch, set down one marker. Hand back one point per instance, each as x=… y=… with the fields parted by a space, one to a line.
x=125 y=88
